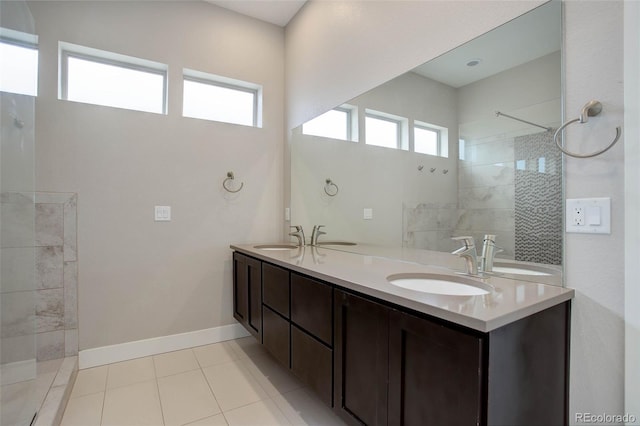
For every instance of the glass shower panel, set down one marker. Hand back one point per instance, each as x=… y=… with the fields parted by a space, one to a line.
x=18 y=284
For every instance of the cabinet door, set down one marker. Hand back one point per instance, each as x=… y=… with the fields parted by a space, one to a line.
x=275 y=288
x=275 y=335
x=361 y=364
x=247 y=293
x=311 y=361
x=312 y=307
x=434 y=373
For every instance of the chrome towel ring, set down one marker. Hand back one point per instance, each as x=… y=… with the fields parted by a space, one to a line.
x=230 y=178
x=591 y=109
x=330 y=188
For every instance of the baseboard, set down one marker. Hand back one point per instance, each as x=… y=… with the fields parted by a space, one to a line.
x=125 y=351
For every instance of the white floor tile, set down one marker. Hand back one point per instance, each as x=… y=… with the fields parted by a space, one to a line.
x=175 y=362
x=129 y=372
x=217 y=420
x=84 y=410
x=233 y=385
x=186 y=397
x=302 y=407
x=246 y=346
x=90 y=381
x=133 y=405
x=273 y=377
x=261 y=413
x=218 y=353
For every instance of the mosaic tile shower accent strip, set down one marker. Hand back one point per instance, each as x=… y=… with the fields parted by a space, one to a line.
x=538 y=199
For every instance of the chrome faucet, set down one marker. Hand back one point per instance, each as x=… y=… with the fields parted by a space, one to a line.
x=489 y=251
x=299 y=234
x=316 y=234
x=468 y=252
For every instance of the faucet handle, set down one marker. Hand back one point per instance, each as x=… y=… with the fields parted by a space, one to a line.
x=296 y=227
x=468 y=241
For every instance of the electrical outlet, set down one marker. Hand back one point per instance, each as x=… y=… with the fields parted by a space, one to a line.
x=578 y=216
x=588 y=215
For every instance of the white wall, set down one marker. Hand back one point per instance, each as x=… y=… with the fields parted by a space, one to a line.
x=139 y=278
x=383 y=179
x=594 y=264
x=632 y=206
x=337 y=50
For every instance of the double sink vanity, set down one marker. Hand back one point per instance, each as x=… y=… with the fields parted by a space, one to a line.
x=402 y=337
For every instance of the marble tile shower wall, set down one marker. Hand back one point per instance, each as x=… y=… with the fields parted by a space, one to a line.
x=40 y=276
x=485 y=201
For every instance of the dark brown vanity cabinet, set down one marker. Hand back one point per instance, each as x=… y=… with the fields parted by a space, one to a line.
x=312 y=334
x=361 y=359
x=435 y=373
x=247 y=293
x=276 y=334
x=377 y=363
x=394 y=367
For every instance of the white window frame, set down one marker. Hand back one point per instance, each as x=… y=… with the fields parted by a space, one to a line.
x=443 y=137
x=24 y=40
x=228 y=83
x=402 y=140
x=69 y=50
x=351 y=123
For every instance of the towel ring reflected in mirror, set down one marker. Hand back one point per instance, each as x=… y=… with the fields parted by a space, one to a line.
x=330 y=188
x=591 y=109
x=226 y=184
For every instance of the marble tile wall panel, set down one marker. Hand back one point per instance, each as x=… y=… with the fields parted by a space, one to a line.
x=487 y=197
x=70 y=229
x=18 y=313
x=484 y=219
x=18 y=348
x=70 y=295
x=18 y=217
x=17 y=269
x=486 y=175
x=50 y=310
x=49 y=266
x=71 y=342
x=50 y=345
x=49 y=225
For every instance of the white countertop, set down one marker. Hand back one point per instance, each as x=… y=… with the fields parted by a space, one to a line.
x=508 y=301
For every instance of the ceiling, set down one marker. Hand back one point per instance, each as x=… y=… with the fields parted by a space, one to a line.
x=528 y=37
x=278 y=12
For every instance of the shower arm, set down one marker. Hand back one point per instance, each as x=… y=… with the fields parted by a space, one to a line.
x=498 y=114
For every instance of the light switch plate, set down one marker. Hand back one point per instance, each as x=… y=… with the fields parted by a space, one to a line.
x=162 y=213
x=588 y=215
x=367 y=214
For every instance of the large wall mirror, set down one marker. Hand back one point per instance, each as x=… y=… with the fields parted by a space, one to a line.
x=441 y=151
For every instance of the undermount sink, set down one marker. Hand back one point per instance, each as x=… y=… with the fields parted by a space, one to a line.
x=439 y=284
x=508 y=268
x=276 y=247
x=335 y=243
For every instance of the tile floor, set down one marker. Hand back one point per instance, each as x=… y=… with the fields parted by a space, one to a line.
x=229 y=383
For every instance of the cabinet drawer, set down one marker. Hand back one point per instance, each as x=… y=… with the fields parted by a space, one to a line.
x=312 y=307
x=275 y=288
x=311 y=361
x=275 y=335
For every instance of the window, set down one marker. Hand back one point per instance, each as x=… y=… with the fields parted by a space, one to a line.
x=385 y=130
x=431 y=139
x=337 y=123
x=426 y=140
x=216 y=98
x=462 y=153
x=104 y=78
x=18 y=62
